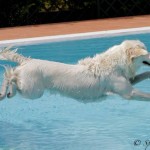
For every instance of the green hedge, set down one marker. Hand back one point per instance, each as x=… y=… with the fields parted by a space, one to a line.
x=24 y=12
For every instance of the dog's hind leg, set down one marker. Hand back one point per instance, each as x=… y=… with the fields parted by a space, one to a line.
x=12 y=90
x=9 y=86
x=140 y=77
x=4 y=88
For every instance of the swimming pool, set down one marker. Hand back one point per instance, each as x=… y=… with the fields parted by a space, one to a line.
x=54 y=122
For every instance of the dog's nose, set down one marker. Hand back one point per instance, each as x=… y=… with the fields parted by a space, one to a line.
x=147 y=55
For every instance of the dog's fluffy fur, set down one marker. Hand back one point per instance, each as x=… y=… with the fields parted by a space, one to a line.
x=111 y=71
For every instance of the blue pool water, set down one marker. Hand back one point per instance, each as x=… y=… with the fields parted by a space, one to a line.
x=54 y=122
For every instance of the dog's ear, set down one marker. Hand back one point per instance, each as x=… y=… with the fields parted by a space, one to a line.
x=135 y=52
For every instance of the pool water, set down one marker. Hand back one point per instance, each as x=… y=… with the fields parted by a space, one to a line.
x=54 y=122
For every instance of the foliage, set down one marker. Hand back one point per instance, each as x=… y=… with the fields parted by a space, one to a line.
x=23 y=12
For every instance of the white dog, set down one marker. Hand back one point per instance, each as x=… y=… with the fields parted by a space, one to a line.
x=91 y=78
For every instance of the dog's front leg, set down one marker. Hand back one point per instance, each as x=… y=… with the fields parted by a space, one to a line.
x=4 y=88
x=123 y=87
x=140 y=77
x=139 y=95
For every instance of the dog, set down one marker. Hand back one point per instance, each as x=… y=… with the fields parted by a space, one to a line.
x=91 y=78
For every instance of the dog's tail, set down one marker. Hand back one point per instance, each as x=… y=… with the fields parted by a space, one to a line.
x=11 y=55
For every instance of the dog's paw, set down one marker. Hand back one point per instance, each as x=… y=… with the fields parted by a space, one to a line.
x=2 y=96
x=9 y=95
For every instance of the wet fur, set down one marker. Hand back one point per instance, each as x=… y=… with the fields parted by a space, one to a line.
x=88 y=80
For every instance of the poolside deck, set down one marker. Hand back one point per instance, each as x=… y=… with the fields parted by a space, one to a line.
x=74 y=27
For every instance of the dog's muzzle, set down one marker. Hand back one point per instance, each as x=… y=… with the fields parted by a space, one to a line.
x=146 y=60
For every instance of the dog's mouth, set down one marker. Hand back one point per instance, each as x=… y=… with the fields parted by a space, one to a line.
x=146 y=63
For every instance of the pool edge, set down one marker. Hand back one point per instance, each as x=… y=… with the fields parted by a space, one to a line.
x=76 y=36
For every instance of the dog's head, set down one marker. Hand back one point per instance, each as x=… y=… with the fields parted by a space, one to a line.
x=137 y=54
